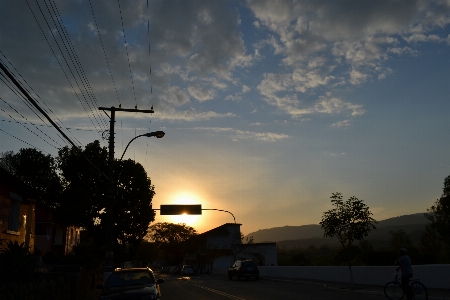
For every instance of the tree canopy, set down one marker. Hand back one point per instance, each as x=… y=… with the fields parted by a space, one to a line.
x=36 y=170
x=439 y=213
x=171 y=239
x=77 y=191
x=349 y=221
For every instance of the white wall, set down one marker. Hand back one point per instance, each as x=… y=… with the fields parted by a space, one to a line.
x=433 y=276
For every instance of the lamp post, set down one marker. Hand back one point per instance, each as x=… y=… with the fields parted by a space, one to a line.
x=158 y=134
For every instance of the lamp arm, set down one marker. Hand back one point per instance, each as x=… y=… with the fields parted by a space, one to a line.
x=221 y=210
x=129 y=144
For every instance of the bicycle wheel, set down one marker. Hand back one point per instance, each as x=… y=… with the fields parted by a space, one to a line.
x=419 y=291
x=393 y=290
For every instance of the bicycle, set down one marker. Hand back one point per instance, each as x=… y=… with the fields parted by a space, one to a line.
x=394 y=291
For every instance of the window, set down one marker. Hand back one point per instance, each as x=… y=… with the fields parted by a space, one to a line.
x=130 y=278
x=14 y=213
x=59 y=236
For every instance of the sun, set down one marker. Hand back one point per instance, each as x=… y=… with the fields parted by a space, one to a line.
x=186 y=198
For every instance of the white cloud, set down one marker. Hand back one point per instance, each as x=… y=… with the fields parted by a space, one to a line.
x=403 y=50
x=340 y=124
x=419 y=37
x=201 y=94
x=246 y=135
x=325 y=44
x=169 y=113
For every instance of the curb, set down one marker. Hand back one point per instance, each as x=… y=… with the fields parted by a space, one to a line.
x=356 y=291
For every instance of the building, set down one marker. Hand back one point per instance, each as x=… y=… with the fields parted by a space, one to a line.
x=17 y=211
x=214 y=251
x=25 y=220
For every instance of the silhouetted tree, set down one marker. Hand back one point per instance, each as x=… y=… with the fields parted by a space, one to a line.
x=400 y=239
x=36 y=170
x=349 y=221
x=430 y=245
x=85 y=197
x=171 y=238
x=76 y=190
x=439 y=214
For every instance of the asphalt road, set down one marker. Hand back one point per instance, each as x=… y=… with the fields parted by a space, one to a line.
x=220 y=288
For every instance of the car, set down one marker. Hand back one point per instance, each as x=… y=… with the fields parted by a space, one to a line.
x=243 y=268
x=187 y=270
x=164 y=270
x=132 y=283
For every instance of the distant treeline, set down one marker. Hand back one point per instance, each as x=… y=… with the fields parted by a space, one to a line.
x=425 y=248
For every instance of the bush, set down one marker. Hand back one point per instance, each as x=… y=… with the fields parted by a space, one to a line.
x=16 y=261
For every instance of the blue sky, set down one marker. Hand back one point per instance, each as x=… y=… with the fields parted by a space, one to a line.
x=268 y=106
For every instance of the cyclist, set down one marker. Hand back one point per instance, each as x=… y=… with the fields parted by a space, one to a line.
x=404 y=264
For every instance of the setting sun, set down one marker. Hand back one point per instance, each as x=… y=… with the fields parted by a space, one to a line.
x=185 y=198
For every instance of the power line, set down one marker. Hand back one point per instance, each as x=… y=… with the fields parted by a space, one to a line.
x=45 y=125
x=104 y=52
x=59 y=63
x=70 y=56
x=36 y=95
x=89 y=89
x=32 y=101
x=25 y=117
x=23 y=141
x=126 y=47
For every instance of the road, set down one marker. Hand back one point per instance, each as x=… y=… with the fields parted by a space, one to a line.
x=220 y=288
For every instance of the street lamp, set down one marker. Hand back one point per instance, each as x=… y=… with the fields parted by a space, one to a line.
x=158 y=134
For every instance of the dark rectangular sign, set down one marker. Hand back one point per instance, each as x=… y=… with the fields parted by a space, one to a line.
x=180 y=209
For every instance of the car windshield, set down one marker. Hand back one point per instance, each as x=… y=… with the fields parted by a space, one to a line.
x=130 y=278
x=248 y=264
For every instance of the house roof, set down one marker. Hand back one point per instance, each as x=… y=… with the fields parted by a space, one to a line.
x=221 y=230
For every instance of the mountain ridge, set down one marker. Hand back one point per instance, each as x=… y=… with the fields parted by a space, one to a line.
x=313 y=231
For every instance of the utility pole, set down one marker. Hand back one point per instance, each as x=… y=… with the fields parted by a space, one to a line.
x=109 y=258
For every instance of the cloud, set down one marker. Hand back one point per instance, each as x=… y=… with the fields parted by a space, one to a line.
x=419 y=37
x=274 y=85
x=246 y=135
x=199 y=93
x=400 y=51
x=329 y=44
x=340 y=124
x=170 y=114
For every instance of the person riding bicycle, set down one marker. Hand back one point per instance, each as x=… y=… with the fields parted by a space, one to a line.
x=404 y=264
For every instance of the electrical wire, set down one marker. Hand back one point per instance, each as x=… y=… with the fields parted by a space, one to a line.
x=104 y=52
x=59 y=63
x=23 y=141
x=27 y=119
x=89 y=89
x=37 y=97
x=72 y=59
x=128 y=56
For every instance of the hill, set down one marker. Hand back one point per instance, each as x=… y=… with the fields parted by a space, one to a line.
x=305 y=235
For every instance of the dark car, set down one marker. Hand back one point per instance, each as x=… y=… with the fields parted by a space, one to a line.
x=243 y=268
x=187 y=270
x=133 y=283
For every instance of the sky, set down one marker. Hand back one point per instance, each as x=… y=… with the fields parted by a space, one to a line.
x=268 y=107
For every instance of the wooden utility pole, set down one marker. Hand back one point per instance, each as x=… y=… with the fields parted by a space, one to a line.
x=110 y=203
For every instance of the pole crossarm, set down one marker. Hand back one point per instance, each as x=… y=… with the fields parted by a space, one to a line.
x=148 y=111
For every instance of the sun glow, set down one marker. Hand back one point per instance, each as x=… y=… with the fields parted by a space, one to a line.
x=186 y=198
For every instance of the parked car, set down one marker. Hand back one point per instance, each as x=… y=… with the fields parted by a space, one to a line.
x=164 y=270
x=243 y=268
x=133 y=283
x=187 y=270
